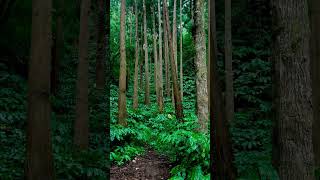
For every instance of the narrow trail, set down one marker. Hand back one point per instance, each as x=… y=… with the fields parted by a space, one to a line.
x=149 y=166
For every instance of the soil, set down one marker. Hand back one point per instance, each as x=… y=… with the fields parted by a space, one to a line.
x=149 y=166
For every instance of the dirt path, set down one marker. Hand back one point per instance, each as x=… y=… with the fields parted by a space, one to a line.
x=149 y=166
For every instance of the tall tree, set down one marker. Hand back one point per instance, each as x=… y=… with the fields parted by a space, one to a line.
x=101 y=44
x=166 y=57
x=145 y=47
x=160 y=78
x=39 y=152
x=141 y=63
x=155 y=53
x=174 y=75
x=58 y=47
x=174 y=33
x=291 y=58
x=122 y=109
x=181 y=65
x=315 y=61
x=136 y=64
x=201 y=67
x=81 y=127
x=228 y=63
x=221 y=149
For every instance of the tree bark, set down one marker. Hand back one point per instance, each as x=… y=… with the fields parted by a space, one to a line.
x=315 y=57
x=58 y=48
x=122 y=109
x=220 y=150
x=166 y=58
x=228 y=63
x=101 y=45
x=145 y=47
x=177 y=94
x=160 y=78
x=81 y=127
x=174 y=33
x=201 y=68
x=136 y=65
x=155 y=53
x=291 y=56
x=39 y=149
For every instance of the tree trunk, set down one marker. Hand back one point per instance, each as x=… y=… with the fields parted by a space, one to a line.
x=181 y=65
x=228 y=63
x=145 y=47
x=39 y=151
x=160 y=78
x=155 y=52
x=58 y=50
x=136 y=65
x=221 y=149
x=174 y=33
x=81 y=127
x=101 y=45
x=315 y=57
x=291 y=55
x=166 y=57
x=177 y=94
x=123 y=65
x=201 y=68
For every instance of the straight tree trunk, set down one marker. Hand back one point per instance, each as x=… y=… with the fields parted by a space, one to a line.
x=155 y=52
x=136 y=65
x=291 y=56
x=315 y=61
x=81 y=127
x=101 y=44
x=39 y=149
x=166 y=57
x=221 y=149
x=228 y=63
x=200 y=61
x=174 y=75
x=122 y=109
x=174 y=33
x=141 y=64
x=58 y=50
x=160 y=78
x=181 y=65
x=145 y=47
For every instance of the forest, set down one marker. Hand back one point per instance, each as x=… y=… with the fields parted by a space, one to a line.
x=160 y=89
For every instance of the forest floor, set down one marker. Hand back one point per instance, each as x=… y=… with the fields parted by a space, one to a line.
x=149 y=166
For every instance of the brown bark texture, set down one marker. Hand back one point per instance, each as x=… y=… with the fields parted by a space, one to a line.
x=39 y=149
x=58 y=50
x=136 y=64
x=181 y=55
x=145 y=47
x=201 y=67
x=81 y=127
x=160 y=74
x=155 y=53
x=166 y=58
x=220 y=149
x=122 y=104
x=174 y=75
x=315 y=62
x=228 y=63
x=291 y=56
x=101 y=44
